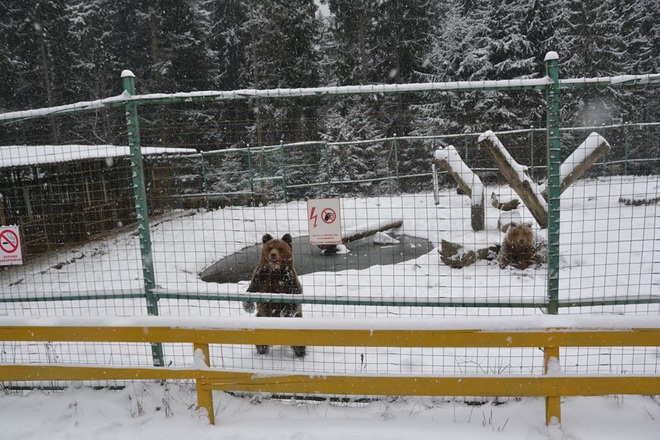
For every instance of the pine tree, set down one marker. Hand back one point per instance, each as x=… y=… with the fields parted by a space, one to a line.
x=283 y=37
x=592 y=50
x=281 y=50
x=512 y=55
x=353 y=52
x=95 y=69
x=229 y=40
x=164 y=39
x=35 y=61
x=641 y=31
x=403 y=35
x=458 y=52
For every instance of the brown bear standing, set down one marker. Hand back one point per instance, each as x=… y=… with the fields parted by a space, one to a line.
x=275 y=274
x=521 y=248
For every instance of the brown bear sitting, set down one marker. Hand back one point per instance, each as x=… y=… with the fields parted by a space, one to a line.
x=521 y=248
x=275 y=274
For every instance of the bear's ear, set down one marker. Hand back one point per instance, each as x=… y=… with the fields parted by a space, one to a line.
x=287 y=238
x=266 y=237
x=527 y=224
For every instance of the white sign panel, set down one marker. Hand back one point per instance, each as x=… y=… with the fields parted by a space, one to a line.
x=324 y=222
x=10 y=246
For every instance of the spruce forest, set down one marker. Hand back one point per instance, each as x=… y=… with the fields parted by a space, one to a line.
x=56 y=52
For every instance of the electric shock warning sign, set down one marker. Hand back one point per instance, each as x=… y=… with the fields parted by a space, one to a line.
x=10 y=246
x=324 y=222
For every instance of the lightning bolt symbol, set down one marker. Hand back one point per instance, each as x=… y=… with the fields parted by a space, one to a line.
x=314 y=216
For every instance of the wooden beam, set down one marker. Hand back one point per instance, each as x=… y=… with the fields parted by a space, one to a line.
x=552 y=384
x=526 y=386
x=579 y=162
x=555 y=337
x=210 y=379
x=450 y=161
x=517 y=177
x=552 y=403
x=204 y=395
x=363 y=234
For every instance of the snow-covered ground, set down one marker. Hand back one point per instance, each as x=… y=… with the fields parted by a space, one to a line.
x=154 y=411
x=608 y=250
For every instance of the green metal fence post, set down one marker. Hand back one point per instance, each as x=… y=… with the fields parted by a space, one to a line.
x=326 y=161
x=396 y=163
x=283 y=171
x=465 y=145
x=205 y=179
x=625 y=149
x=531 y=152
x=250 y=172
x=141 y=209
x=554 y=179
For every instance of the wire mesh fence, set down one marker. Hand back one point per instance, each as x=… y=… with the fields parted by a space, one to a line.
x=414 y=253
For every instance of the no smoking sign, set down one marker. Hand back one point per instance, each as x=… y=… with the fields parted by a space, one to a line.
x=323 y=220
x=10 y=246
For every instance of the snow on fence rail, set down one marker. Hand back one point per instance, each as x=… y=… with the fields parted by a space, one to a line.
x=550 y=333
x=456 y=86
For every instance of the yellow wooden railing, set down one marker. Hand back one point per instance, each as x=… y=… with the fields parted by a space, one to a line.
x=348 y=333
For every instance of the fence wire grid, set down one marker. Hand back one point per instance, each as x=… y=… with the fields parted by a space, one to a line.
x=421 y=256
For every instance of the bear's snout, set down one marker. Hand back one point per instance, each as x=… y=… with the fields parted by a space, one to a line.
x=274 y=255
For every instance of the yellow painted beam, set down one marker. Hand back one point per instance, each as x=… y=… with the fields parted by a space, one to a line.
x=357 y=338
x=204 y=395
x=437 y=386
x=55 y=372
x=550 y=386
x=523 y=385
x=552 y=403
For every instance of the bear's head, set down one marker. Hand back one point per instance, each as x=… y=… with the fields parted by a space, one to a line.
x=277 y=253
x=520 y=236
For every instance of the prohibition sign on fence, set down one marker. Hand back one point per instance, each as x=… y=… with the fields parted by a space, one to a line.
x=324 y=222
x=10 y=246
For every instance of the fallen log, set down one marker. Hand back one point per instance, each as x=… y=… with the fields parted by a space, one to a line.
x=330 y=249
x=457 y=257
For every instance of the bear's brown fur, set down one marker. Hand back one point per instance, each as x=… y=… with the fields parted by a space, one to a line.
x=275 y=274
x=521 y=248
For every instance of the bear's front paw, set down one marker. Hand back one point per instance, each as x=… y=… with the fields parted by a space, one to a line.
x=248 y=306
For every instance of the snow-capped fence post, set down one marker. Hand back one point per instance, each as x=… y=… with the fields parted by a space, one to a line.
x=141 y=209
x=449 y=160
x=554 y=179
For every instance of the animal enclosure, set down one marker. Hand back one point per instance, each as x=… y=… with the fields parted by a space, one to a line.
x=191 y=210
